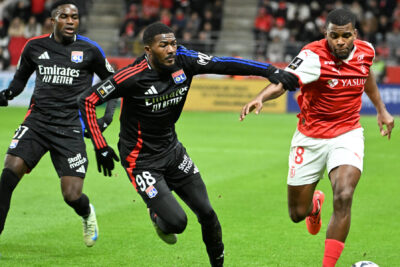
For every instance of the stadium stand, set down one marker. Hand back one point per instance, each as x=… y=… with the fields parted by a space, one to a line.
x=266 y=30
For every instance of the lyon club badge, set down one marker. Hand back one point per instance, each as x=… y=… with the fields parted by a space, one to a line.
x=77 y=56
x=179 y=76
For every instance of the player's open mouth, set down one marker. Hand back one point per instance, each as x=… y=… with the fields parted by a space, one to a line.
x=69 y=30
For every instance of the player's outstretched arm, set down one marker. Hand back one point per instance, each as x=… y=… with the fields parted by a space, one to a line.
x=383 y=116
x=272 y=91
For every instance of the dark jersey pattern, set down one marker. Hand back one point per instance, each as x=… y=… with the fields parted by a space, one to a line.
x=152 y=102
x=63 y=72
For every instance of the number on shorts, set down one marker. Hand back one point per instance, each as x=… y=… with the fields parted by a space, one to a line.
x=20 y=131
x=298 y=158
x=145 y=180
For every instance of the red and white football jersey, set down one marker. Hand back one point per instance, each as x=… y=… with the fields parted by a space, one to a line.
x=331 y=88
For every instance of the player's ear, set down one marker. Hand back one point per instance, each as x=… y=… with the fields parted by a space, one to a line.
x=147 y=49
x=355 y=33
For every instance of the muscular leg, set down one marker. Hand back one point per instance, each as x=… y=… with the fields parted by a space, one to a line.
x=71 y=188
x=14 y=169
x=344 y=180
x=171 y=218
x=300 y=201
x=195 y=196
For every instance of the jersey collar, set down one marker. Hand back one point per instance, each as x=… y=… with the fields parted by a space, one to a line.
x=147 y=61
x=351 y=55
x=52 y=36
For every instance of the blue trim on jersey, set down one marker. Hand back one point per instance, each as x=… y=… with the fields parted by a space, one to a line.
x=190 y=53
x=242 y=61
x=82 y=124
x=184 y=51
x=83 y=38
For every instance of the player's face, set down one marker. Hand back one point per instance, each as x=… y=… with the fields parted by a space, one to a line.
x=340 y=39
x=162 y=51
x=65 y=23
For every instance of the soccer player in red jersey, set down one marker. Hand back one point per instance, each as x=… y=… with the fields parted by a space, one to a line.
x=333 y=73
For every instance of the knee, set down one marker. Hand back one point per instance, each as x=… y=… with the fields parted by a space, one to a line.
x=16 y=165
x=70 y=195
x=178 y=225
x=297 y=214
x=207 y=217
x=343 y=199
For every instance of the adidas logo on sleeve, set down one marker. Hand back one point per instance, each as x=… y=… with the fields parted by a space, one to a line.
x=45 y=55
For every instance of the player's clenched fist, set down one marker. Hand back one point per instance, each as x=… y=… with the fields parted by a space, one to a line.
x=4 y=97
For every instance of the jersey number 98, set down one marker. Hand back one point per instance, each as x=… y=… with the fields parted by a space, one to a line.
x=145 y=180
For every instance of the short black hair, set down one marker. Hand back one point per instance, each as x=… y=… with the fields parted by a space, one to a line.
x=340 y=17
x=153 y=30
x=58 y=3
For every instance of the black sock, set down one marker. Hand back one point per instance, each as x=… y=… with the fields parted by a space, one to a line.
x=8 y=182
x=80 y=205
x=212 y=237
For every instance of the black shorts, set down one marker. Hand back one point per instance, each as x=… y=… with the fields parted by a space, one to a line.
x=159 y=175
x=66 y=145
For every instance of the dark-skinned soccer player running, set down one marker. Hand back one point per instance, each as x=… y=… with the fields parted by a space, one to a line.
x=153 y=90
x=65 y=63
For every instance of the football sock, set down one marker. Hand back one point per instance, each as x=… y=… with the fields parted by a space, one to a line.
x=8 y=182
x=80 y=205
x=333 y=249
x=212 y=237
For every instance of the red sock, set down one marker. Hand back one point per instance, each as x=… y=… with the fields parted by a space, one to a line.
x=333 y=249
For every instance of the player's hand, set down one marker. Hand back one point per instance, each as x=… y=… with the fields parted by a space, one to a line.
x=105 y=160
x=384 y=118
x=102 y=125
x=3 y=98
x=255 y=104
x=289 y=81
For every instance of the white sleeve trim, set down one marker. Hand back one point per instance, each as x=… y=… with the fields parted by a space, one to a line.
x=307 y=67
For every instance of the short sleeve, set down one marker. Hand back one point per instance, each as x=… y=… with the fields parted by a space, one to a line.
x=306 y=66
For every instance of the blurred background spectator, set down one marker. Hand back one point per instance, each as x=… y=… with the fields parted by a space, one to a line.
x=196 y=23
x=280 y=27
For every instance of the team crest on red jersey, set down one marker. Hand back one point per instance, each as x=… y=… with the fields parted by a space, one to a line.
x=77 y=56
x=179 y=76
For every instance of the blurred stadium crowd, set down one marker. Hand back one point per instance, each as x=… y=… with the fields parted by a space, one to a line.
x=280 y=27
x=196 y=23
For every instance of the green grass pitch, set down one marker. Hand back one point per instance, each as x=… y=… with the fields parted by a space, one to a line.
x=244 y=165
